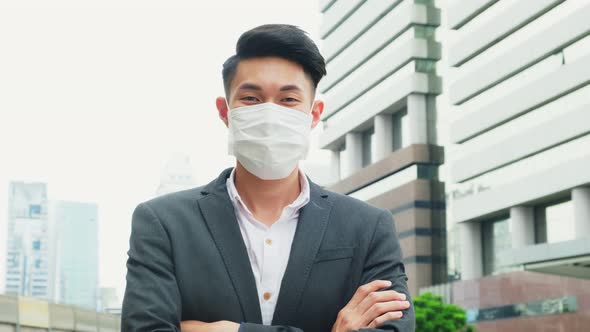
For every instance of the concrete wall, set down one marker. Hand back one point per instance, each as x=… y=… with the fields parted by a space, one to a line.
x=30 y=314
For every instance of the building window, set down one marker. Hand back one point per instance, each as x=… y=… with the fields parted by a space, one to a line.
x=401 y=130
x=453 y=252
x=495 y=239
x=554 y=222
x=342 y=161
x=367 y=148
x=34 y=210
x=12 y=260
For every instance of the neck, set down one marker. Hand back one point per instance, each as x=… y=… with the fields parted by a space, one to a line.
x=266 y=199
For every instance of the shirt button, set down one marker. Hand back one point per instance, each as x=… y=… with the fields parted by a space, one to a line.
x=268 y=241
x=266 y=296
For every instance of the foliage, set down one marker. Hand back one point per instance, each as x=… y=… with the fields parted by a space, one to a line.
x=432 y=315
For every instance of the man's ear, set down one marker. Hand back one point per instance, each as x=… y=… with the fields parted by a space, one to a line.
x=316 y=112
x=222 y=109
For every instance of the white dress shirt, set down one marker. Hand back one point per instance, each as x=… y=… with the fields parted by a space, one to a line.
x=268 y=247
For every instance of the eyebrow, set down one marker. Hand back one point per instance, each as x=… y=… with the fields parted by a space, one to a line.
x=252 y=86
x=249 y=86
x=290 y=87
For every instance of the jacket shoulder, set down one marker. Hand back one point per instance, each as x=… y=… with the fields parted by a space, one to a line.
x=176 y=197
x=174 y=200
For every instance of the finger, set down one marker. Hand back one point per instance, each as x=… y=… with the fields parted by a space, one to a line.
x=397 y=296
x=377 y=297
x=392 y=315
x=381 y=296
x=192 y=322
x=188 y=326
x=380 y=308
x=365 y=290
x=189 y=323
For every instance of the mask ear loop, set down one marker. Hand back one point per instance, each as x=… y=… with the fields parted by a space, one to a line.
x=311 y=113
x=227 y=114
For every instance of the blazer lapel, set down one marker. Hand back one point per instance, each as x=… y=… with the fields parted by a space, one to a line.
x=313 y=219
x=220 y=217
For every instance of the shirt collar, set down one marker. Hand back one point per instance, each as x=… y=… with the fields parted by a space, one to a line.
x=298 y=203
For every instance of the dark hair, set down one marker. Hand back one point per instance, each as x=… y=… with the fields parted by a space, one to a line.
x=281 y=40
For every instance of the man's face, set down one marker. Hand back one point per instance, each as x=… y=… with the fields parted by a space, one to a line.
x=271 y=79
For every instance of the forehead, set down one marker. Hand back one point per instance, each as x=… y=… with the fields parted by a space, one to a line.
x=271 y=73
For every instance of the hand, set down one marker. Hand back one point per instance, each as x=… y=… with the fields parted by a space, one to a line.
x=370 y=308
x=198 y=326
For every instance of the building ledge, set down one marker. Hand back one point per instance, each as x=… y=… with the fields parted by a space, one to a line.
x=567 y=258
x=397 y=160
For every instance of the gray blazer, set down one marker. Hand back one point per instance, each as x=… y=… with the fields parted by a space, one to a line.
x=187 y=261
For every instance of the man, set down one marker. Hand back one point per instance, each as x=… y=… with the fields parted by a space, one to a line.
x=263 y=248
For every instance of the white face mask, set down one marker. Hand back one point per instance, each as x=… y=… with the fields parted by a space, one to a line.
x=268 y=139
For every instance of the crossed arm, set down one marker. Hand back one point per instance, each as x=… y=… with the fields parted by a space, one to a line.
x=382 y=303
x=368 y=308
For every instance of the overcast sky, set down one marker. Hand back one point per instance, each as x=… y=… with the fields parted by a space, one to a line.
x=95 y=96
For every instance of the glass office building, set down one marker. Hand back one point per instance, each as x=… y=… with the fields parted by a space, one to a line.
x=27 y=254
x=76 y=253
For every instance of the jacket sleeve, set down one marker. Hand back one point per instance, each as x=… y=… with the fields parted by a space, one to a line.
x=384 y=262
x=251 y=327
x=152 y=300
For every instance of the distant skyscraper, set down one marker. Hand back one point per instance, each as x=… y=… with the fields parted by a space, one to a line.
x=109 y=300
x=76 y=253
x=27 y=259
x=177 y=175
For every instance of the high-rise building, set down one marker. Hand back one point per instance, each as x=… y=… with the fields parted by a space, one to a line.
x=379 y=121
x=109 y=300
x=76 y=253
x=513 y=117
x=27 y=255
x=177 y=175
x=519 y=161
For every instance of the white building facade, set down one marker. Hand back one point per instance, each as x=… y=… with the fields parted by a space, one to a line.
x=516 y=110
x=503 y=86
x=379 y=119
x=522 y=134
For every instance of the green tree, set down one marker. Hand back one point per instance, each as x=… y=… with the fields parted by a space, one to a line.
x=432 y=315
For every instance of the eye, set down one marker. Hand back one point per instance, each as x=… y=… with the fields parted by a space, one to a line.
x=290 y=100
x=249 y=99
